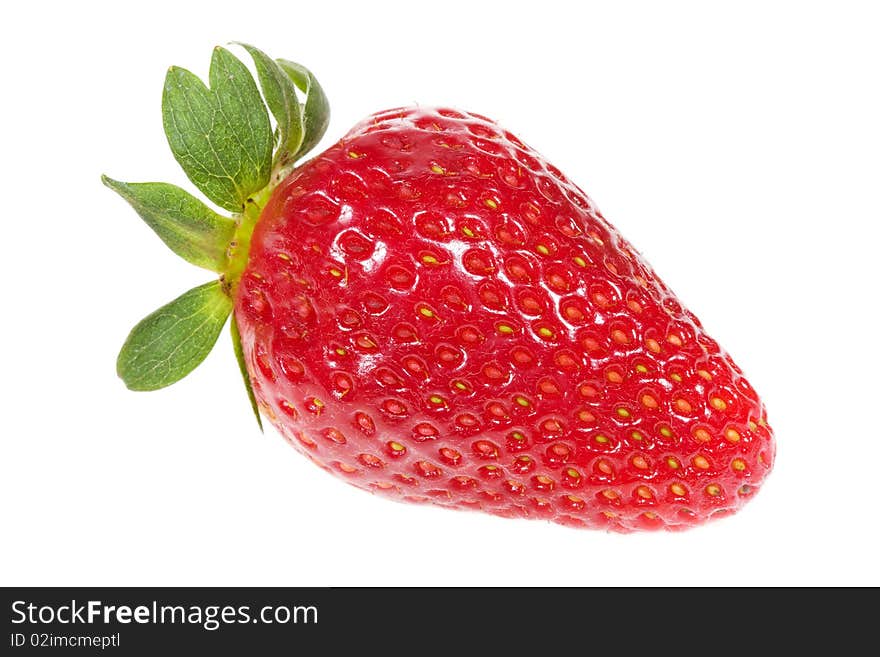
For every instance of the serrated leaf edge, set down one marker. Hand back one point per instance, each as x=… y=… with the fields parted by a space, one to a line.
x=190 y=113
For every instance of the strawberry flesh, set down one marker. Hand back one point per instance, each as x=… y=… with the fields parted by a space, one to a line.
x=434 y=313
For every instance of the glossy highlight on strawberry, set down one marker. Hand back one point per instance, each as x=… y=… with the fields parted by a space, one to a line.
x=434 y=313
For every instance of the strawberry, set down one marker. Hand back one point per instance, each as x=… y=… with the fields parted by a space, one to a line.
x=434 y=313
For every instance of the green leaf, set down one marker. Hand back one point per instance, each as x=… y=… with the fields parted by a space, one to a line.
x=239 y=356
x=316 y=113
x=189 y=228
x=171 y=342
x=280 y=93
x=221 y=136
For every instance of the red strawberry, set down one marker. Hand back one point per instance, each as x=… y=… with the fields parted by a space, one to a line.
x=431 y=311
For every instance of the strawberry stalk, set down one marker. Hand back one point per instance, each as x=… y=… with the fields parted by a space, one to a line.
x=222 y=137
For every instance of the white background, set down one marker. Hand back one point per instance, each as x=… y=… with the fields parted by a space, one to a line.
x=735 y=144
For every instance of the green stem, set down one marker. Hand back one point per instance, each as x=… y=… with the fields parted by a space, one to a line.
x=240 y=245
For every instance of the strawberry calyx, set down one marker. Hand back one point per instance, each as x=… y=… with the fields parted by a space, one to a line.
x=225 y=142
